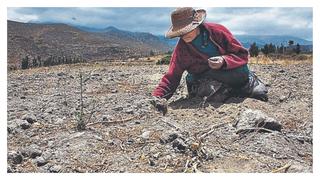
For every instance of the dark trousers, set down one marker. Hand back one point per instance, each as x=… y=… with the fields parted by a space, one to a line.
x=234 y=78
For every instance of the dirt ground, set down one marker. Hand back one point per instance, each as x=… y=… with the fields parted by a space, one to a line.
x=125 y=134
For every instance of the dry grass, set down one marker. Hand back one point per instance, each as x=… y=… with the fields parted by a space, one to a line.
x=261 y=59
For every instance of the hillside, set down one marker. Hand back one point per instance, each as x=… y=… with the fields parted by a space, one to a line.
x=61 y=40
x=124 y=133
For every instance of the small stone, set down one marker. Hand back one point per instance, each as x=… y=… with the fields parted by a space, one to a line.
x=114 y=91
x=95 y=74
x=194 y=146
x=55 y=168
x=151 y=162
x=281 y=71
x=49 y=110
x=111 y=142
x=9 y=169
x=41 y=161
x=179 y=145
x=137 y=122
x=23 y=124
x=29 y=117
x=129 y=111
x=282 y=98
x=15 y=157
x=22 y=97
x=106 y=117
x=168 y=137
x=11 y=128
x=118 y=108
x=61 y=74
x=130 y=141
x=32 y=151
x=145 y=135
x=156 y=155
x=58 y=121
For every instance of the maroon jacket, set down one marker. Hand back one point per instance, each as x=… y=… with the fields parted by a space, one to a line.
x=186 y=57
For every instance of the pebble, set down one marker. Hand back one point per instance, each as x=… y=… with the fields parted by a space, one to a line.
x=23 y=124
x=55 y=168
x=179 y=145
x=15 y=157
x=29 y=117
x=40 y=161
x=32 y=151
x=145 y=135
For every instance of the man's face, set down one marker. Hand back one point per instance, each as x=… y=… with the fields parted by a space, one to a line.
x=190 y=35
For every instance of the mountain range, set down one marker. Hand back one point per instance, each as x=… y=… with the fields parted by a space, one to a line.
x=61 y=40
x=110 y=43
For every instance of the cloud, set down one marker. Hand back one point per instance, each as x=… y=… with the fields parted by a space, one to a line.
x=257 y=21
x=265 y=21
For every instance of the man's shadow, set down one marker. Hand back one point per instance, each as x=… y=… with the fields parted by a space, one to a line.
x=198 y=102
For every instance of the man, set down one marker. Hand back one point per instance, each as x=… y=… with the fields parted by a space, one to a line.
x=215 y=61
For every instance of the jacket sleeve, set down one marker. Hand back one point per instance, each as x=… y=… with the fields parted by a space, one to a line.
x=171 y=80
x=235 y=54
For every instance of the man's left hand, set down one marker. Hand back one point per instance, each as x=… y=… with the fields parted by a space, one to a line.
x=216 y=62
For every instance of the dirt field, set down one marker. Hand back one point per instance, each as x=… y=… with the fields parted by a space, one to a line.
x=125 y=134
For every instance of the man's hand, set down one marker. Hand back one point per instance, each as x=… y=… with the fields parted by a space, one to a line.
x=216 y=62
x=160 y=104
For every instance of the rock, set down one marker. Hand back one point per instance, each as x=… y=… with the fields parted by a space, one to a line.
x=129 y=111
x=15 y=157
x=118 y=108
x=168 y=137
x=22 y=97
x=179 y=145
x=11 y=128
x=55 y=168
x=40 y=161
x=251 y=119
x=9 y=169
x=130 y=141
x=49 y=110
x=95 y=73
x=111 y=142
x=114 y=91
x=151 y=162
x=282 y=98
x=194 y=146
x=30 y=118
x=58 y=121
x=281 y=71
x=61 y=74
x=32 y=151
x=145 y=135
x=23 y=124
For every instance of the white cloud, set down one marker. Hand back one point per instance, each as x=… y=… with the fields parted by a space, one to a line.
x=14 y=15
x=288 y=21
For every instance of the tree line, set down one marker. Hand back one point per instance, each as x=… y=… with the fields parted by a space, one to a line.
x=30 y=62
x=273 y=49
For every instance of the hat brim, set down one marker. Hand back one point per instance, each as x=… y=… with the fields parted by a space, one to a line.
x=179 y=32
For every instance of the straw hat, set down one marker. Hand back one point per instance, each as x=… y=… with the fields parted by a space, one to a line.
x=185 y=20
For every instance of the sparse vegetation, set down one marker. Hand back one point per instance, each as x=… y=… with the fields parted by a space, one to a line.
x=81 y=125
x=165 y=60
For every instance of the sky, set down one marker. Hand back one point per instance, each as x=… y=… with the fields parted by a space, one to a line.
x=245 y=21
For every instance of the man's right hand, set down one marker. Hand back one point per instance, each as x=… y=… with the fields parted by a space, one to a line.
x=160 y=104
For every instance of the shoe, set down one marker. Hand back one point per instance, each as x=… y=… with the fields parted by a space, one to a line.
x=255 y=88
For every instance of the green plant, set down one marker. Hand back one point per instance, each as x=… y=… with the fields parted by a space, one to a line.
x=164 y=60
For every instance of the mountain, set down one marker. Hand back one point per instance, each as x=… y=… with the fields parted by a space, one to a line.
x=261 y=40
x=61 y=40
